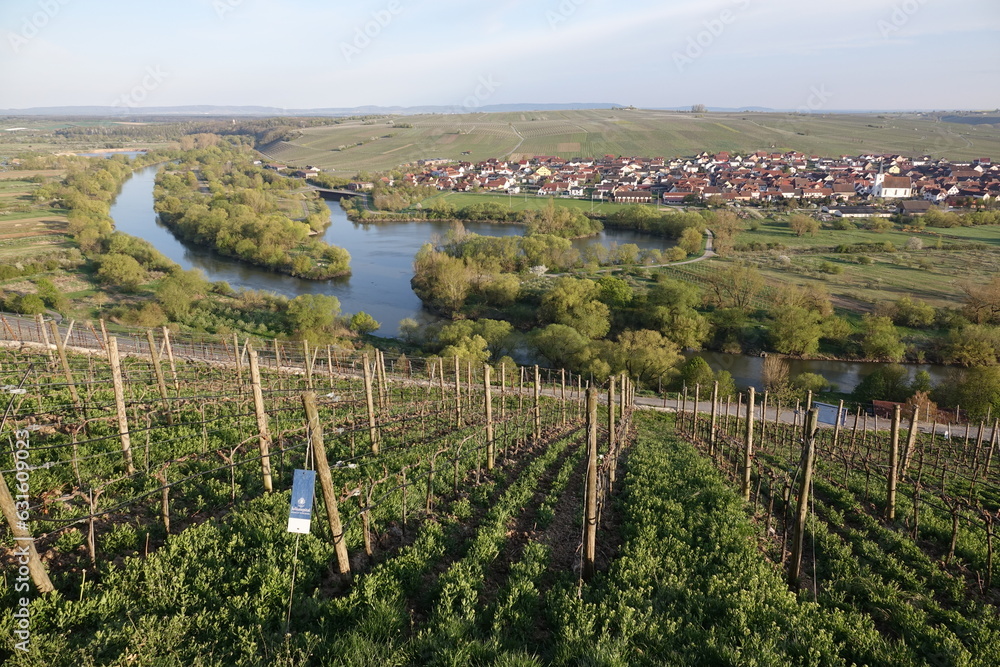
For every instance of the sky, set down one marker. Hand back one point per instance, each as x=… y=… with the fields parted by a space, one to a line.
x=301 y=54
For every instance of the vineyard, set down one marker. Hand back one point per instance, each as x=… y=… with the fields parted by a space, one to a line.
x=464 y=515
x=894 y=525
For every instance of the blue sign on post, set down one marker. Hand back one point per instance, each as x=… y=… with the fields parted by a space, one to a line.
x=303 y=489
x=828 y=414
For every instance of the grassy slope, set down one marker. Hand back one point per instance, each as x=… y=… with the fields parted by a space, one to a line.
x=598 y=132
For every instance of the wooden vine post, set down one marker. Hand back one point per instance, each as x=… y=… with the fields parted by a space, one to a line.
x=458 y=394
x=306 y=362
x=808 y=457
x=326 y=481
x=694 y=412
x=836 y=426
x=161 y=383
x=590 y=511
x=537 y=409
x=890 y=504
x=43 y=334
x=161 y=476
x=748 y=446
x=236 y=358
x=23 y=541
x=370 y=403
x=611 y=415
x=170 y=358
x=488 y=401
x=911 y=441
x=119 y=388
x=503 y=391
x=562 y=397
x=263 y=429
x=712 y=435
x=64 y=362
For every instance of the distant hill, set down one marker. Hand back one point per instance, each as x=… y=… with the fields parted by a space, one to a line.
x=210 y=110
x=353 y=146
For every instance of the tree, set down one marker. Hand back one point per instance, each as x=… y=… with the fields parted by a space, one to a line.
x=50 y=294
x=880 y=340
x=908 y=312
x=575 y=303
x=976 y=390
x=410 y=331
x=26 y=304
x=806 y=382
x=468 y=349
x=982 y=302
x=803 y=224
x=795 y=330
x=774 y=374
x=690 y=241
x=686 y=327
x=646 y=356
x=699 y=108
x=177 y=292
x=886 y=383
x=440 y=279
x=727 y=385
x=362 y=323
x=121 y=271
x=496 y=334
x=614 y=292
x=313 y=316
x=562 y=345
x=735 y=287
x=694 y=372
x=973 y=345
x=502 y=290
x=921 y=382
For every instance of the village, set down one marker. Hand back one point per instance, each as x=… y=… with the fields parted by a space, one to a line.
x=842 y=186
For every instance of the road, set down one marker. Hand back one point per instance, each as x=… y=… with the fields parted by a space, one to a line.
x=17 y=331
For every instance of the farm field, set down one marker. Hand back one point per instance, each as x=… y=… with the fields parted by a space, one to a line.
x=28 y=229
x=924 y=272
x=354 y=146
x=174 y=552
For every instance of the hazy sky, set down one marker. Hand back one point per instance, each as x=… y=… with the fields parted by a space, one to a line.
x=848 y=54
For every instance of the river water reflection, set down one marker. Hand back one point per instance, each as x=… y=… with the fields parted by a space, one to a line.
x=381 y=255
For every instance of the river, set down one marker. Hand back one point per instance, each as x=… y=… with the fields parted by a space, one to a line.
x=382 y=265
x=381 y=255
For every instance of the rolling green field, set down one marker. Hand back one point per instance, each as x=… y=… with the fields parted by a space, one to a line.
x=928 y=273
x=522 y=202
x=377 y=145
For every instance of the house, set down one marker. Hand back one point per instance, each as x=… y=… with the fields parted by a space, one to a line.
x=915 y=207
x=892 y=187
